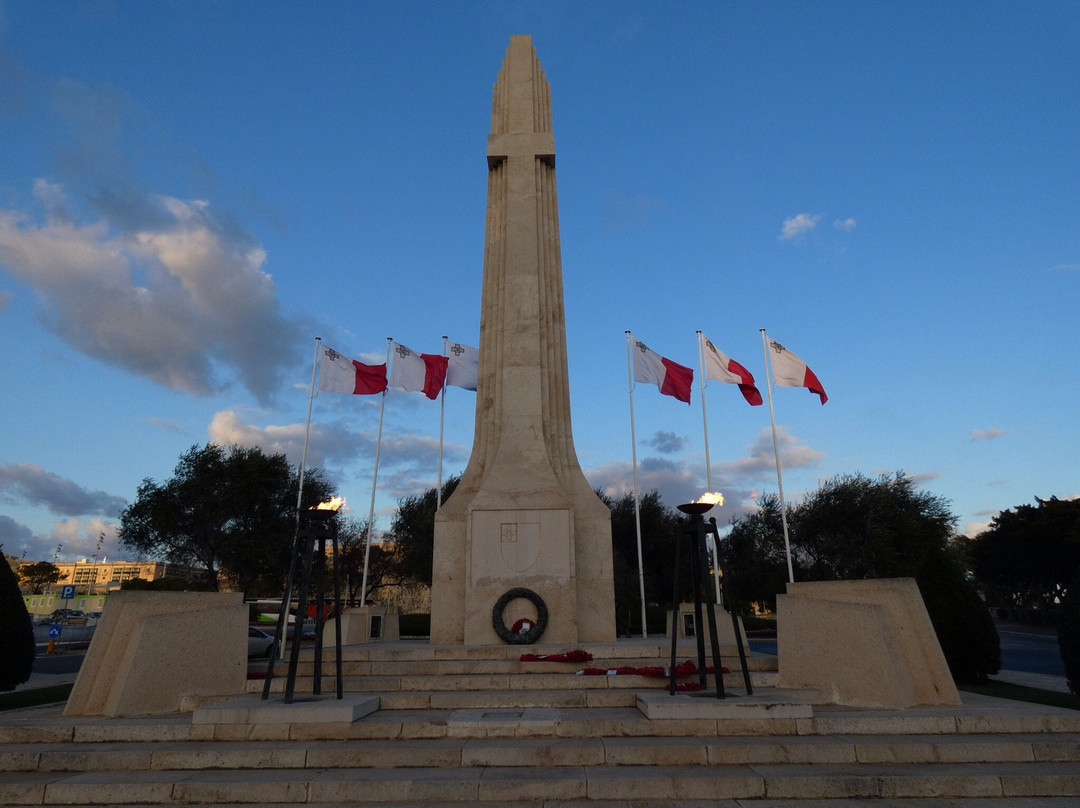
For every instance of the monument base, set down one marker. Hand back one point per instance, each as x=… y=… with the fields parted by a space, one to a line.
x=861 y=644
x=151 y=650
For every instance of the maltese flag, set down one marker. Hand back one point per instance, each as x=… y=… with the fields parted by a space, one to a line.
x=790 y=371
x=463 y=366
x=417 y=373
x=672 y=378
x=722 y=369
x=339 y=374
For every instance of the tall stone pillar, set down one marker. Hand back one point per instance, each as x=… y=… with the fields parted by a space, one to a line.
x=524 y=514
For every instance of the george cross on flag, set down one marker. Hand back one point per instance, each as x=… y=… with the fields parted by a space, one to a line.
x=790 y=371
x=417 y=373
x=463 y=366
x=672 y=378
x=340 y=374
x=722 y=369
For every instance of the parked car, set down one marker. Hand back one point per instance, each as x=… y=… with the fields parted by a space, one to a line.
x=63 y=616
x=260 y=644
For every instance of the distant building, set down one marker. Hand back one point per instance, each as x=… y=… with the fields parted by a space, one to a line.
x=94 y=580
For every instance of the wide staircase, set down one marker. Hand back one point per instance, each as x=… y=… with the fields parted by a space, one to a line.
x=452 y=726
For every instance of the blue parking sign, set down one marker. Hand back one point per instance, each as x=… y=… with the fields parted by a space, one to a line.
x=54 y=632
x=67 y=592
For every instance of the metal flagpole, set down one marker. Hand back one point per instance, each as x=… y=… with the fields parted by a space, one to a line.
x=708 y=463
x=281 y=631
x=374 y=481
x=442 y=414
x=637 y=509
x=776 y=454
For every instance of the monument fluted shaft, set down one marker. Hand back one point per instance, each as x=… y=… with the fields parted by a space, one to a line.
x=523 y=515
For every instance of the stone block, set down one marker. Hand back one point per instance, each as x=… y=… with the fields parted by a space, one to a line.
x=532 y=784
x=153 y=649
x=252 y=710
x=363 y=624
x=861 y=643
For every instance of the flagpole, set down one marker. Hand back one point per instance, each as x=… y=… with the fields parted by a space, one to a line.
x=307 y=429
x=374 y=480
x=708 y=462
x=442 y=414
x=776 y=454
x=637 y=509
x=286 y=596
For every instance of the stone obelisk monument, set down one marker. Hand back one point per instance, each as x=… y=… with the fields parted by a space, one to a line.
x=523 y=515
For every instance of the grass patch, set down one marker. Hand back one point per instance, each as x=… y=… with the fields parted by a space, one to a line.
x=1032 y=695
x=32 y=698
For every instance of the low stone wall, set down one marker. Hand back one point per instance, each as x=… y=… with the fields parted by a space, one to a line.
x=861 y=643
x=153 y=649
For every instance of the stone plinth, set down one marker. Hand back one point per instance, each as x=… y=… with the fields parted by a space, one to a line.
x=153 y=649
x=861 y=643
x=686 y=625
x=364 y=624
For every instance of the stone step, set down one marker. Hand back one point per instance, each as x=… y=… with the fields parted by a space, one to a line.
x=525 y=752
x=539 y=784
x=504 y=667
x=491 y=683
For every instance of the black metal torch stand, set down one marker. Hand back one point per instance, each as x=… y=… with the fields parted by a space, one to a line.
x=695 y=531
x=729 y=591
x=704 y=595
x=309 y=552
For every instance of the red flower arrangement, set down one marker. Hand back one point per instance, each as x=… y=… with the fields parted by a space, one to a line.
x=577 y=655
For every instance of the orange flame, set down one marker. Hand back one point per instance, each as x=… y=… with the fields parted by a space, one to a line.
x=713 y=498
x=334 y=504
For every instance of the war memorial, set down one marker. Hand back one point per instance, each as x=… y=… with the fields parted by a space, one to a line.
x=857 y=707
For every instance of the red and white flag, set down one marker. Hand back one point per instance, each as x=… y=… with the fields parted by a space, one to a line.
x=340 y=374
x=719 y=367
x=790 y=371
x=417 y=373
x=672 y=378
x=463 y=365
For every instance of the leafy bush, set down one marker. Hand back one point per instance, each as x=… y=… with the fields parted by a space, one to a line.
x=16 y=632
x=414 y=625
x=1069 y=633
x=966 y=631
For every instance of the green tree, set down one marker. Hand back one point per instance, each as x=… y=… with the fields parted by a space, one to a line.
x=413 y=533
x=37 y=577
x=660 y=527
x=856 y=527
x=231 y=512
x=16 y=632
x=383 y=568
x=1028 y=556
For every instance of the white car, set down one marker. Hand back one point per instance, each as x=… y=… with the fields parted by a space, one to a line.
x=260 y=644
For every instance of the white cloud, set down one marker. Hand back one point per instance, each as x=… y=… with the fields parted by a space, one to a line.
x=845 y=225
x=1066 y=268
x=799 y=225
x=407 y=463
x=987 y=434
x=169 y=301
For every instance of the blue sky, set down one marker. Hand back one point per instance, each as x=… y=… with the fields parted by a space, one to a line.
x=191 y=192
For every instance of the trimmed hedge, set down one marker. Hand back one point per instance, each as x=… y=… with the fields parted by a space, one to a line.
x=1069 y=633
x=16 y=632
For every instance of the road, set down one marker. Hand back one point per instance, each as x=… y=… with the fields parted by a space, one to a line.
x=1032 y=649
